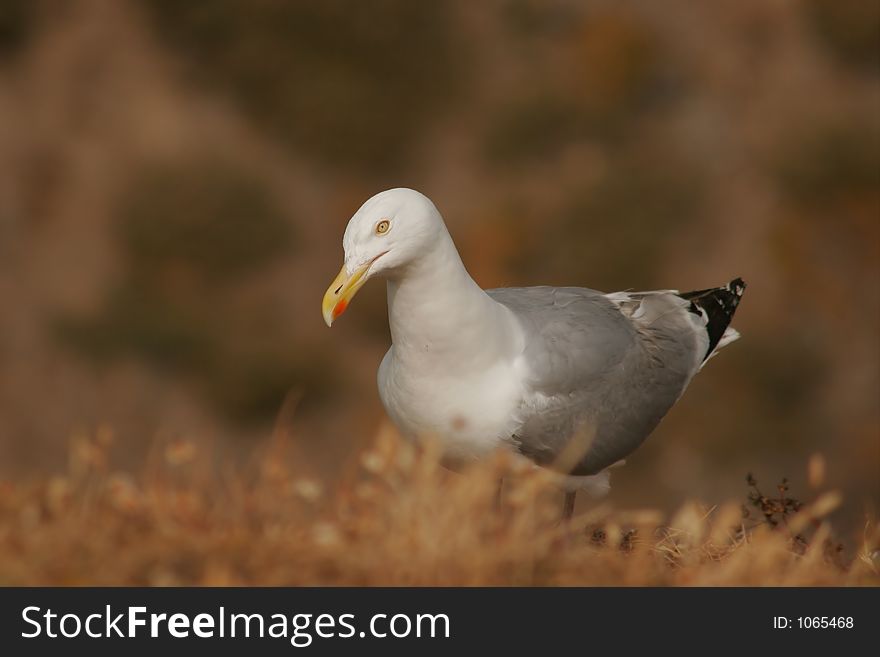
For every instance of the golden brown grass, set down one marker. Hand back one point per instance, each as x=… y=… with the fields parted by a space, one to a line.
x=399 y=518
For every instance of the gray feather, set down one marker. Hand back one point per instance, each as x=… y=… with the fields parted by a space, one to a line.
x=608 y=366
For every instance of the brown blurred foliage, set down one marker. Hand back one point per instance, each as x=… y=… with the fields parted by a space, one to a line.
x=396 y=517
x=175 y=178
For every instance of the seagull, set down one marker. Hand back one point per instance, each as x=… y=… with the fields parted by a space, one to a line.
x=571 y=378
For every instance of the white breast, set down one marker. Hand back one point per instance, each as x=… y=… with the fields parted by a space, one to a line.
x=470 y=414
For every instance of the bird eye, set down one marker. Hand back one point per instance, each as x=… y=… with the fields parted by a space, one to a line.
x=382 y=227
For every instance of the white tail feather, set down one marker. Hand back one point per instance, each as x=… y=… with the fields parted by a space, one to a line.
x=729 y=335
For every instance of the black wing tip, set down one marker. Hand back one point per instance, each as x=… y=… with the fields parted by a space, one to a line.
x=719 y=305
x=737 y=286
x=731 y=293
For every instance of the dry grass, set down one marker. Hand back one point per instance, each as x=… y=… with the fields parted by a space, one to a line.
x=398 y=519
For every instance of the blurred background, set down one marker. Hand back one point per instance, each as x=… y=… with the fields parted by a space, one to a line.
x=175 y=178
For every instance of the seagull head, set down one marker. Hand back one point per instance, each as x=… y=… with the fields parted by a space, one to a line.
x=388 y=233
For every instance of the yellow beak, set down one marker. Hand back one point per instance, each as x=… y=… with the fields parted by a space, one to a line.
x=341 y=291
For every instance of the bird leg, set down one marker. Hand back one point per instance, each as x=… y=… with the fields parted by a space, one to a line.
x=498 y=494
x=568 y=505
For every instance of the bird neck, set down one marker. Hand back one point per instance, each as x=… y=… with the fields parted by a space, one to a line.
x=441 y=318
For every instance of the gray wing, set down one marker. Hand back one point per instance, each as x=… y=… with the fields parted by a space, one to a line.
x=607 y=365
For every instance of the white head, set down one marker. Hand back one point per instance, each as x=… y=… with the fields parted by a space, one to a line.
x=390 y=231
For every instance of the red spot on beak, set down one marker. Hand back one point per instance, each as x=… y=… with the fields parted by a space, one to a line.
x=340 y=308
